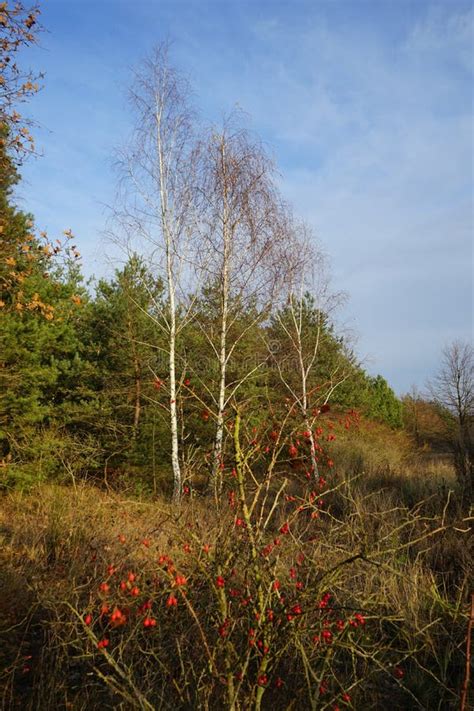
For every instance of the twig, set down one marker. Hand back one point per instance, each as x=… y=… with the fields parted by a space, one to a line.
x=467 y=675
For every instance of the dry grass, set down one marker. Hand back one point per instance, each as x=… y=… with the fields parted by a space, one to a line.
x=403 y=563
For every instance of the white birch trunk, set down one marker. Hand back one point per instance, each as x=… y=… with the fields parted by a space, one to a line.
x=304 y=405
x=219 y=438
x=172 y=315
x=173 y=404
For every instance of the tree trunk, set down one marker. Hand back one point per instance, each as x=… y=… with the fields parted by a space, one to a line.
x=219 y=440
x=138 y=383
x=172 y=369
x=137 y=412
x=172 y=315
x=216 y=474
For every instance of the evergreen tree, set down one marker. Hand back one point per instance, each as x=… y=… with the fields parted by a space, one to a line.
x=127 y=359
x=382 y=403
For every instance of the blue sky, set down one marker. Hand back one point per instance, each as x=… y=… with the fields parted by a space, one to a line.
x=365 y=105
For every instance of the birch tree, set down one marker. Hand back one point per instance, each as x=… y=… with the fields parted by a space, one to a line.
x=157 y=204
x=243 y=253
x=311 y=362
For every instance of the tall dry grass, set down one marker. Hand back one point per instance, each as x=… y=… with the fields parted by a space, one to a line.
x=397 y=557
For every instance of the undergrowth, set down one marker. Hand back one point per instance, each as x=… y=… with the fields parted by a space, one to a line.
x=337 y=592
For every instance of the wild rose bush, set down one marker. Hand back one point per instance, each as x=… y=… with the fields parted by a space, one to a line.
x=221 y=626
x=249 y=616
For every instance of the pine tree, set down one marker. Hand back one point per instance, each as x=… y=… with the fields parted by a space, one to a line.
x=127 y=360
x=41 y=297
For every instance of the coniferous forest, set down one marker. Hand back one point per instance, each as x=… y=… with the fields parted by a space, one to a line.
x=207 y=501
